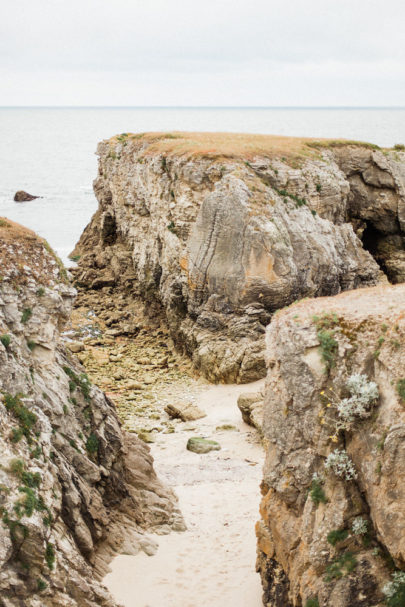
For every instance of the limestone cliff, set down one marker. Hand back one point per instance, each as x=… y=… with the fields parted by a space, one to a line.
x=70 y=479
x=333 y=513
x=218 y=231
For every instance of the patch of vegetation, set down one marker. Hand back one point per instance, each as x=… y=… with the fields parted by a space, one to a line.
x=29 y=503
x=5 y=340
x=74 y=258
x=171 y=227
x=318 y=187
x=399 y=147
x=343 y=565
x=50 y=555
x=26 y=315
x=341 y=465
x=312 y=602
x=78 y=381
x=31 y=344
x=40 y=292
x=92 y=444
x=401 y=389
x=4 y=223
x=62 y=269
x=336 y=536
x=26 y=418
x=395 y=590
x=41 y=584
x=316 y=492
x=299 y=202
x=325 y=326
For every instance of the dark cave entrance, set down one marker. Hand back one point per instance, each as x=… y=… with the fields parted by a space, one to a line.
x=370 y=239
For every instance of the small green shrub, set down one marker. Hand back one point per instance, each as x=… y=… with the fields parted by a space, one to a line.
x=41 y=292
x=26 y=315
x=312 y=602
x=75 y=258
x=395 y=590
x=328 y=347
x=399 y=147
x=78 y=381
x=318 y=187
x=341 y=566
x=92 y=444
x=31 y=345
x=316 y=492
x=171 y=227
x=41 y=584
x=337 y=535
x=5 y=340
x=26 y=418
x=401 y=389
x=50 y=555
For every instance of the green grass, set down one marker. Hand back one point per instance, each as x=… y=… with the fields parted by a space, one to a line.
x=343 y=565
x=26 y=418
x=316 y=493
x=41 y=292
x=5 y=340
x=336 y=536
x=92 y=444
x=78 y=381
x=26 y=315
x=50 y=555
x=401 y=389
x=312 y=603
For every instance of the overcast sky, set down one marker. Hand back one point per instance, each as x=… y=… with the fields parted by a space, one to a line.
x=206 y=52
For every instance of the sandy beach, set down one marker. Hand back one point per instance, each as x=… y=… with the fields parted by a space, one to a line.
x=213 y=561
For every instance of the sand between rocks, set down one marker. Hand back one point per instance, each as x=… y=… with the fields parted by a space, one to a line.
x=213 y=562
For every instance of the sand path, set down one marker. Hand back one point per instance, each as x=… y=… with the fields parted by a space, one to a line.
x=213 y=562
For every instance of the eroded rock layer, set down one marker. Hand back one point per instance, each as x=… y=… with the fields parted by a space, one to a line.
x=333 y=511
x=74 y=488
x=217 y=231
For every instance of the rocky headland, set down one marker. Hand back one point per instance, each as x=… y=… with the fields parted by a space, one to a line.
x=215 y=232
x=74 y=487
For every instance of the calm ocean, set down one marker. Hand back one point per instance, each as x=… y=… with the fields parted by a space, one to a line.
x=50 y=151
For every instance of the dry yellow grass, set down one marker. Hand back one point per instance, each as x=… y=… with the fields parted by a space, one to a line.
x=232 y=145
x=20 y=246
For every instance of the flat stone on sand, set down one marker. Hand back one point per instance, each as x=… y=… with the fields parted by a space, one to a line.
x=202 y=445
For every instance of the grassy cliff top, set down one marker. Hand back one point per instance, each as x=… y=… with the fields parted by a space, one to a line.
x=22 y=249
x=232 y=145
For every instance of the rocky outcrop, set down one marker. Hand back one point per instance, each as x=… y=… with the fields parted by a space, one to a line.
x=333 y=510
x=74 y=488
x=22 y=196
x=218 y=231
x=250 y=405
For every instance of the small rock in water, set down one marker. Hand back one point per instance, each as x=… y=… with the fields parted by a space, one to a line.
x=22 y=196
x=185 y=411
x=202 y=445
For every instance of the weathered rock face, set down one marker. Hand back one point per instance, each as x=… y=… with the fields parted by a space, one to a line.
x=70 y=479
x=219 y=243
x=333 y=536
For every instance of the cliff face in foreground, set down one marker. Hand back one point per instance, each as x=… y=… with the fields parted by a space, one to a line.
x=70 y=479
x=218 y=231
x=333 y=513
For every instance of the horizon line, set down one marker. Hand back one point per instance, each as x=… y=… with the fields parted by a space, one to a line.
x=212 y=107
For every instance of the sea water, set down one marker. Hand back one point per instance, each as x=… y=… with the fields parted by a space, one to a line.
x=50 y=152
